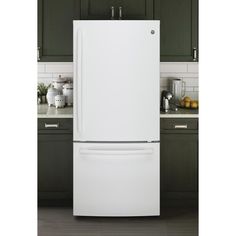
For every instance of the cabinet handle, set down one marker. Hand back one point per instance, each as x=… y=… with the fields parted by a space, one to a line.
x=194 y=54
x=181 y=126
x=38 y=54
x=112 y=13
x=51 y=125
x=120 y=13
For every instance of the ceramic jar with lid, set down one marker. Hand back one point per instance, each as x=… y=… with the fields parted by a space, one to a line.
x=60 y=101
x=52 y=92
x=68 y=93
x=58 y=83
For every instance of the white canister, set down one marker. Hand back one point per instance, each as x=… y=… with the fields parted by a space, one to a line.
x=68 y=93
x=58 y=83
x=60 y=101
x=52 y=92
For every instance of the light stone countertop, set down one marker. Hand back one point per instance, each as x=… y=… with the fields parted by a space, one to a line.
x=44 y=111
x=181 y=113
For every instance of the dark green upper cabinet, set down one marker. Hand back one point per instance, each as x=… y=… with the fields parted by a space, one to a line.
x=131 y=9
x=55 y=29
x=179 y=24
x=179 y=30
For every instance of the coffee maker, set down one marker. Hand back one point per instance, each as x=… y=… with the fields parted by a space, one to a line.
x=166 y=97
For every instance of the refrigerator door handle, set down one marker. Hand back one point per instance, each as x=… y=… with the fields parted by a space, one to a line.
x=79 y=101
x=116 y=152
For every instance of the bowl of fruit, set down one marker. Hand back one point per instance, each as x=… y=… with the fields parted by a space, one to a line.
x=187 y=102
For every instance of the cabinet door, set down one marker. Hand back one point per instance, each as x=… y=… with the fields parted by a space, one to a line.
x=131 y=9
x=179 y=30
x=179 y=165
x=55 y=158
x=55 y=29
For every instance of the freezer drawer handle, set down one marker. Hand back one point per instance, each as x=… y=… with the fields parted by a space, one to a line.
x=116 y=152
x=181 y=126
x=51 y=125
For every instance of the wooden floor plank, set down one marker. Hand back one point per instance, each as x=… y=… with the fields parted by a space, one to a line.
x=59 y=221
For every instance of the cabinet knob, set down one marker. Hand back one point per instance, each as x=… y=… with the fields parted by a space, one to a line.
x=120 y=13
x=112 y=13
x=194 y=54
x=38 y=54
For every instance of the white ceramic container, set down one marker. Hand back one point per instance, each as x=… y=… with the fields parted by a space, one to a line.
x=58 y=83
x=60 y=101
x=52 y=92
x=68 y=93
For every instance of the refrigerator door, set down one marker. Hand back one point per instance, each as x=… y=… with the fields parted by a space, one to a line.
x=116 y=179
x=116 y=80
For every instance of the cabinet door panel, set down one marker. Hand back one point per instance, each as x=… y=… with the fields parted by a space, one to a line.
x=55 y=157
x=179 y=163
x=55 y=29
x=132 y=9
x=137 y=9
x=178 y=29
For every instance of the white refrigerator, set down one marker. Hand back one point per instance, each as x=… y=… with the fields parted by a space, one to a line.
x=116 y=132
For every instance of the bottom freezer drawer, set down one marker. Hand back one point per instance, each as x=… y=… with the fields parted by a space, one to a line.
x=116 y=179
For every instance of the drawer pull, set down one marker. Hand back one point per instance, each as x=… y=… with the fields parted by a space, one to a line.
x=181 y=126
x=51 y=125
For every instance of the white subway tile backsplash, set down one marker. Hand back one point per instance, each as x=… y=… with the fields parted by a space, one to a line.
x=189 y=89
x=57 y=68
x=179 y=75
x=188 y=71
x=173 y=67
x=164 y=81
x=193 y=82
x=41 y=68
x=45 y=75
x=193 y=67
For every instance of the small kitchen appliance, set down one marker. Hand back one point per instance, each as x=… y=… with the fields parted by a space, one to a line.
x=177 y=88
x=166 y=96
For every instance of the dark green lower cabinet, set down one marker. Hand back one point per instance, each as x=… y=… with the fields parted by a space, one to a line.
x=55 y=169
x=179 y=167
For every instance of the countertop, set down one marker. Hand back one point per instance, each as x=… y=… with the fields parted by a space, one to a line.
x=44 y=111
x=181 y=113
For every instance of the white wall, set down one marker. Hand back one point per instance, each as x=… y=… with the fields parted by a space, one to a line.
x=188 y=71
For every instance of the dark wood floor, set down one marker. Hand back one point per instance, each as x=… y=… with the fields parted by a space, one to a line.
x=59 y=221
